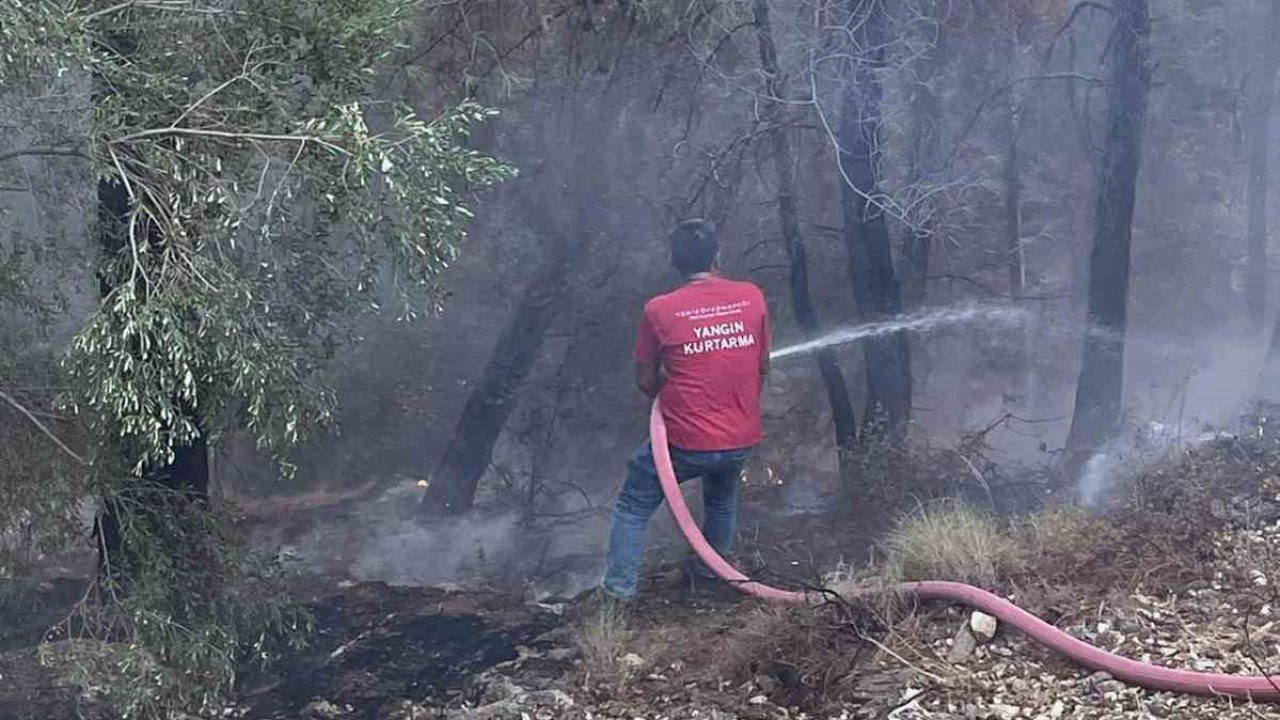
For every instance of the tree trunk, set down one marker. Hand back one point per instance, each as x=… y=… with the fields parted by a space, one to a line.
x=1261 y=100
x=866 y=230
x=924 y=153
x=189 y=471
x=844 y=419
x=1269 y=381
x=1016 y=260
x=581 y=180
x=1097 y=415
x=456 y=477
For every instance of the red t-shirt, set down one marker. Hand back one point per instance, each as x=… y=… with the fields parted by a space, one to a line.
x=712 y=337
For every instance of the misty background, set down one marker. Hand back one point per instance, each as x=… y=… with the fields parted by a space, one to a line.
x=990 y=141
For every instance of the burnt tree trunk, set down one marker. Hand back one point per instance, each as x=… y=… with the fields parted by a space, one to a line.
x=1097 y=415
x=1261 y=101
x=843 y=417
x=188 y=474
x=456 y=476
x=866 y=230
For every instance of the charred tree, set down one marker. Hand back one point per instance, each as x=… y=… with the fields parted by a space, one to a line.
x=454 y=481
x=865 y=232
x=1097 y=414
x=1261 y=102
x=456 y=477
x=780 y=121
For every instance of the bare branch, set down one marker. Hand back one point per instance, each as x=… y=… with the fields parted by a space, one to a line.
x=994 y=95
x=37 y=150
x=223 y=134
x=41 y=427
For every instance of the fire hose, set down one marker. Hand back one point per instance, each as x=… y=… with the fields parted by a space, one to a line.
x=1247 y=687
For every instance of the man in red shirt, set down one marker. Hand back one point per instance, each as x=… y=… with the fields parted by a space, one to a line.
x=703 y=349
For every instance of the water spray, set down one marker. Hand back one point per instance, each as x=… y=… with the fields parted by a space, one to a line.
x=1245 y=687
x=915 y=322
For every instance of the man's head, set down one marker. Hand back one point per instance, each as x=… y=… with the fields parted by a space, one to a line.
x=693 y=247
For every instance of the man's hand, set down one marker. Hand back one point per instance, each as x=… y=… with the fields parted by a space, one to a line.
x=649 y=378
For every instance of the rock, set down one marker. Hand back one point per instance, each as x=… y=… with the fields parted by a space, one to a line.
x=766 y=683
x=500 y=710
x=562 y=654
x=498 y=688
x=963 y=646
x=983 y=626
x=405 y=709
x=322 y=710
x=548 y=698
x=1003 y=712
x=560 y=635
x=1110 y=686
x=1098 y=678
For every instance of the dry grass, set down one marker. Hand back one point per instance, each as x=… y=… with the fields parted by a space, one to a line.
x=1057 y=529
x=949 y=541
x=602 y=638
x=807 y=657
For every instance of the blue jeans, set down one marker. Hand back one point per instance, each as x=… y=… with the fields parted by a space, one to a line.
x=642 y=494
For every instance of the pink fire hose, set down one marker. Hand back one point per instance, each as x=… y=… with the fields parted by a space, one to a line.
x=1248 y=687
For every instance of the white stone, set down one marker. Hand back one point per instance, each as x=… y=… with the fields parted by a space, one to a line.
x=983 y=626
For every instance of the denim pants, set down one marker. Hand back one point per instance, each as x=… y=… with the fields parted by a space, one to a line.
x=642 y=494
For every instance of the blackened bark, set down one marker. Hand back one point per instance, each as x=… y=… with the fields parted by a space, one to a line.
x=1261 y=102
x=866 y=231
x=844 y=419
x=456 y=477
x=189 y=472
x=1097 y=415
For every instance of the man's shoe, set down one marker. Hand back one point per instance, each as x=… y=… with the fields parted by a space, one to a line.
x=704 y=584
x=695 y=570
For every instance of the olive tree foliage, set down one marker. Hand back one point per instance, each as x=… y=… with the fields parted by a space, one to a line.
x=269 y=196
x=262 y=202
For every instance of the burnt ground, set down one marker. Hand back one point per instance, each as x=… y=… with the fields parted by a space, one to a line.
x=377 y=646
x=374 y=644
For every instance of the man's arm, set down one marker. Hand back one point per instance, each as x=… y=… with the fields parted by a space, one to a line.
x=648 y=358
x=649 y=377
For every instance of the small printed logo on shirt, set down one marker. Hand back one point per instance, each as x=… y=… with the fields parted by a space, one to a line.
x=711 y=311
x=720 y=336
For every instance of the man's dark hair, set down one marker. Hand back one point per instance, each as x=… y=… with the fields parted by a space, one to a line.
x=693 y=246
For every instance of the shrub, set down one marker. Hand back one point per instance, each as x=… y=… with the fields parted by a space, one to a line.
x=948 y=541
